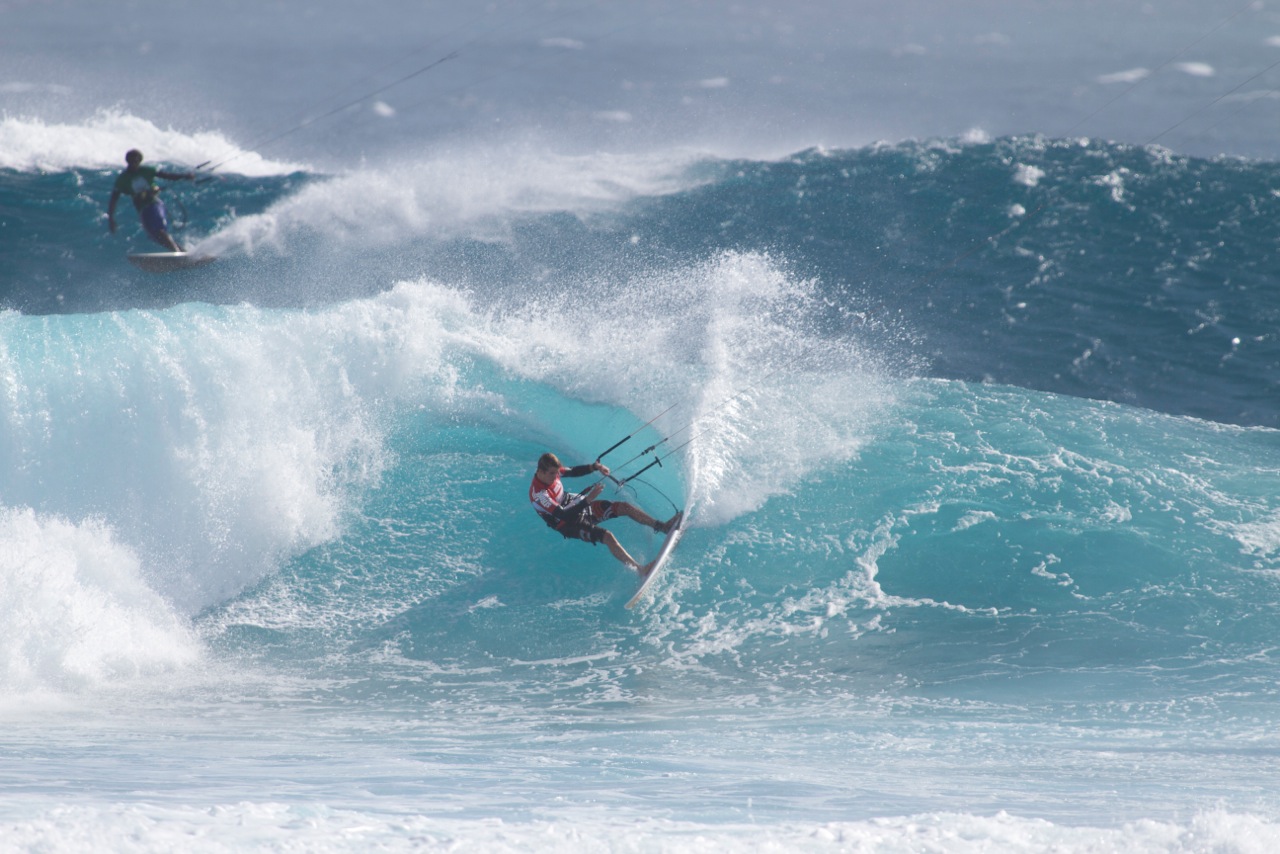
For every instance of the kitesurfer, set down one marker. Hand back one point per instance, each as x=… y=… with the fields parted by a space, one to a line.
x=577 y=517
x=139 y=183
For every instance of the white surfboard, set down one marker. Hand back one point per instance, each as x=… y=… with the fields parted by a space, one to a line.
x=167 y=262
x=668 y=546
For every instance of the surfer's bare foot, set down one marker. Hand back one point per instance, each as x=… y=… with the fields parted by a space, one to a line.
x=645 y=570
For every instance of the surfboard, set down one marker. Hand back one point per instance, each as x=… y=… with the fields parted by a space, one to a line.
x=167 y=262
x=668 y=545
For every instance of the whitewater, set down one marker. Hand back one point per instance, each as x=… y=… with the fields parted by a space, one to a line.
x=956 y=329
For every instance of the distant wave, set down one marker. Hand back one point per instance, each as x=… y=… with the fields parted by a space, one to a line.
x=99 y=142
x=1071 y=266
x=479 y=193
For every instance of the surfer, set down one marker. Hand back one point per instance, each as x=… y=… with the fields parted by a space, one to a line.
x=139 y=183
x=577 y=517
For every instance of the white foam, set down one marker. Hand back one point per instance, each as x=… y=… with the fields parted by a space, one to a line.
x=75 y=611
x=215 y=443
x=974 y=517
x=1028 y=176
x=1196 y=69
x=765 y=399
x=1132 y=75
x=30 y=144
x=1114 y=183
x=474 y=192
x=1260 y=537
x=316 y=827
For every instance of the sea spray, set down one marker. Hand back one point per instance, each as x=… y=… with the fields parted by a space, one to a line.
x=76 y=612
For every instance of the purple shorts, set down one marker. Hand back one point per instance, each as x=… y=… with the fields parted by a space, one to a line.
x=154 y=219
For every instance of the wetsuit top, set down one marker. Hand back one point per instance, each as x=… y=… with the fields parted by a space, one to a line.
x=550 y=501
x=139 y=184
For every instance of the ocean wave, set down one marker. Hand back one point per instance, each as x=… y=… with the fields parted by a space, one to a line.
x=76 y=612
x=480 y=193
x=100 y=141
x=1071 y=266
x=323 y=828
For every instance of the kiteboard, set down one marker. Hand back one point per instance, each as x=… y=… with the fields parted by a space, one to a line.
x=168 y=262
x=668 y=546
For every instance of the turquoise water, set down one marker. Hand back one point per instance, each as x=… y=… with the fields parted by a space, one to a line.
x=979 y=429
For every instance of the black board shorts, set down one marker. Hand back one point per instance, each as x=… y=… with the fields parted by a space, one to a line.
x=586 y=528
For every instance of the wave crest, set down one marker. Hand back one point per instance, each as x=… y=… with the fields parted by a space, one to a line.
x=33 y=145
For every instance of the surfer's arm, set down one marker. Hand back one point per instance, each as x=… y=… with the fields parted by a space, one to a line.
x=111 y=210
x=585 y=498
x=584 y=470
x=573 y=507
x=570 y=511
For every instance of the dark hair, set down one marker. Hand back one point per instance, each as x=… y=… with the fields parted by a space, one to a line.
x=548 y=461
x=132 y=155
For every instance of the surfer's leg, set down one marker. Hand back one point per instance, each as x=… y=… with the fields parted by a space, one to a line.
x=594 y=534
x=622 y=508
x=619 y=552
x=165 y=239
x=156 y=223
